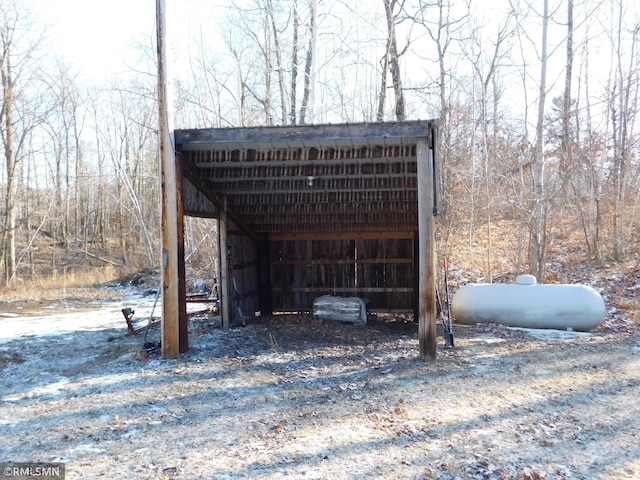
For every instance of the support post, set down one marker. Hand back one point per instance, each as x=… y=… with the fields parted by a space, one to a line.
x=265 y=297
x=223 y=246
x=416 y=275
x=426 y=252
x=183 y=326
x=169 y=221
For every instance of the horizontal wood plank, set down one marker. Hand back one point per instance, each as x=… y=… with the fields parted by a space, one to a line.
x=346 y=289
x=406 y=234
x=341 y=261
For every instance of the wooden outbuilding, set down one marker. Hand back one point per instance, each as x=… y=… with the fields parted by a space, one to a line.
x=311 y=210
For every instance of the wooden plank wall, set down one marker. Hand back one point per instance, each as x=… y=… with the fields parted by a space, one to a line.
x=387 y=268
x=243 y=268
x=381 y=271
x=195 y=202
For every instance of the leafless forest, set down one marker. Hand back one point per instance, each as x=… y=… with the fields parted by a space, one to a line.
x=538 y=107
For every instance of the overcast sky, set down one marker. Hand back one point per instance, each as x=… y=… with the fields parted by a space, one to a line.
x=97 y=37
x=100 y=37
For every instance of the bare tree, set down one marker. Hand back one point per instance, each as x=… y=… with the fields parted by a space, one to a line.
x=18 y=44
x=391 y=63
x=444 y=21
x=306 y=109
x=279 y=65
x=261 y=36
x=534 y=162
x=538 y=225
x=485 y=66
x=590 y=172
x=567 y=144
x=294 y=64
x=623 y=101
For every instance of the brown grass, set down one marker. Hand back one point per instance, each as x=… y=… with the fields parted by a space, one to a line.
x=78 y=282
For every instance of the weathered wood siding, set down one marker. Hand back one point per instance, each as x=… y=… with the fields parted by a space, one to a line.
x=196 y=204
x=381 y=271
x=243 y=273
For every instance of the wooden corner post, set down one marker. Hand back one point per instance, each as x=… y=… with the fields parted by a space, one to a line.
x=223 y=247
x=426 y=251
x=170 y=271
x=183 y=327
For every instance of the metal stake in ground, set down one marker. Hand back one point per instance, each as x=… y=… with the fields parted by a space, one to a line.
x=448 y=331
x=146 y=330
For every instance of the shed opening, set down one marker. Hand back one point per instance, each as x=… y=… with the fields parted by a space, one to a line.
x=313 y=210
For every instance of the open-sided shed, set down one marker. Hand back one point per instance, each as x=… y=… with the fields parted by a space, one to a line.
x=310 y=210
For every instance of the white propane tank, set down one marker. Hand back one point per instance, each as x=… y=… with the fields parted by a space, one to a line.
x=527 y=304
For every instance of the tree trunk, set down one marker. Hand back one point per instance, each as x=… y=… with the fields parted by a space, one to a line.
x=268 y=74
x=567 y=137
x=622 y=114
x=382 y=96
x=279 y=64
x=538 y=235
x=394 y=59
x=8 y=134
x=306 y=109
x=294 y=65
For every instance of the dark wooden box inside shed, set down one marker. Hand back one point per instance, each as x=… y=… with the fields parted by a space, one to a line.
x=312 y=210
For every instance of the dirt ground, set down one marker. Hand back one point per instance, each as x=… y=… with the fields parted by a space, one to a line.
x=298 y=397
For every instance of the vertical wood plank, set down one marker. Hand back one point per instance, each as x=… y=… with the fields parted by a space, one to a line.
x=265 y=293
x=169 y=221
x=183 y=327
x=223 y=246
x=416 y=276
x=426 y=253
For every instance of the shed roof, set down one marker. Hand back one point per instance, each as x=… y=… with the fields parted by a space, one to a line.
x=359 y=177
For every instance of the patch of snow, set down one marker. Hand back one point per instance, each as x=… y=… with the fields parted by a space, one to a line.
x=57 y=324
x=101 y=318
x=551 y=334
x=82 y=450
x=52 y=389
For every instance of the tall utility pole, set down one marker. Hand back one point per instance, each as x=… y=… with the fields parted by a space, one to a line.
x=169 y=188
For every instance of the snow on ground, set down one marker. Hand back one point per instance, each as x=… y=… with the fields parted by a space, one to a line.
x=86 y=317
x=303 y=398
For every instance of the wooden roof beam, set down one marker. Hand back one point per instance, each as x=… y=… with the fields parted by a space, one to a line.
x=210 y=194
x=303 y=136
